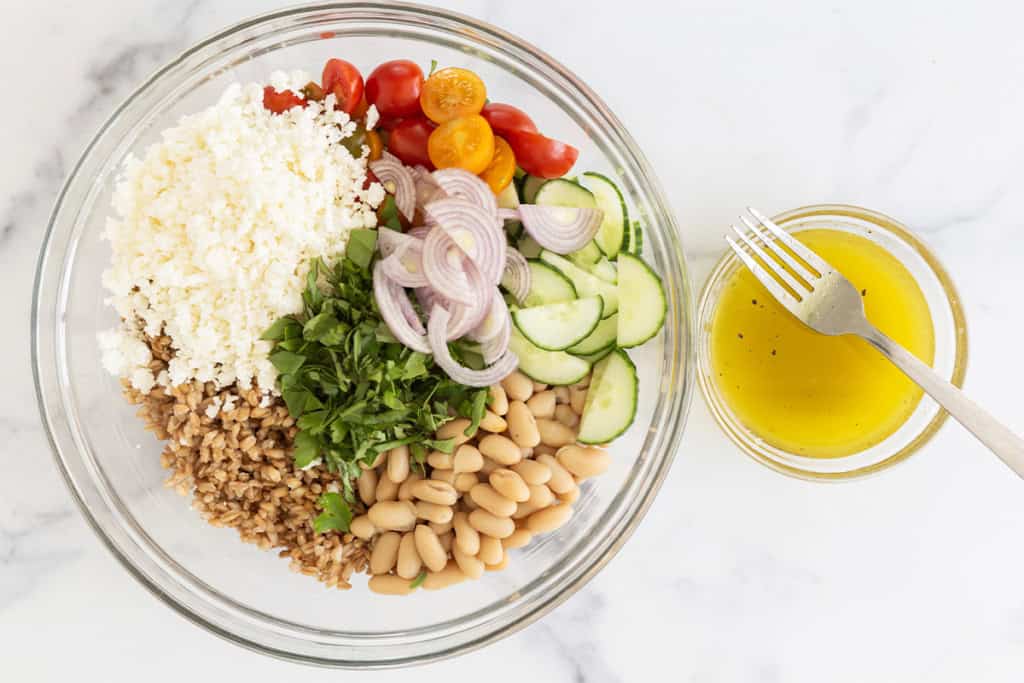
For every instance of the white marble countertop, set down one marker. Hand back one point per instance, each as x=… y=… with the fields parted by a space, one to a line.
x=737 y=574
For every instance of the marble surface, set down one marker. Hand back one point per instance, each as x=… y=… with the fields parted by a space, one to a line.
x=737 y=574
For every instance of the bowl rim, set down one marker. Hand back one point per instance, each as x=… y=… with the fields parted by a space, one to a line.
x=752 y=444
x=674 y=415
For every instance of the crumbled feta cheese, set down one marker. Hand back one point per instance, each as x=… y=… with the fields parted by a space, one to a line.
x=372 y=117
x=215 y=227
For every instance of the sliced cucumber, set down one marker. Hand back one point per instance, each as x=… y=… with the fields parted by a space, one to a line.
x=528 y=246
x=611 y=234
x=634 y=239
x=547 y=285
x=610 y=407
x=643 y=302
x=593 y=358
x=605 y=270
x=562 y=192
x=585 y=283
x=556 y=327
x=587 y=256
x=603 y=337
x=549 y=367
x=528 y=188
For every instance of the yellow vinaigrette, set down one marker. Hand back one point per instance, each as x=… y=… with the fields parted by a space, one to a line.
x=807 y=393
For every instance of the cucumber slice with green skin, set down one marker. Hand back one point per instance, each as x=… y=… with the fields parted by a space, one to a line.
x=601 y=339
x=605 y=270
x=610 y=407
x=529 y=187
x=587 y=256
x=593 y=358
x=547 y=285
x=585 y=283
x=556 y=327
x=562 y=192
x=611 y=235
x=634 y=239
x=548 y=367
x=643 y=302
x=528 y=246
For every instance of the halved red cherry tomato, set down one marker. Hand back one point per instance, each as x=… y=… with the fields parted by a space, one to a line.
x=280 y=102
x=504 y=118
x=542 y=156
x=408 y=141
x=346 y=83
x=394 y=88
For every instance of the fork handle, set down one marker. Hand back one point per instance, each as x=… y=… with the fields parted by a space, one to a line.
x=1000 y=440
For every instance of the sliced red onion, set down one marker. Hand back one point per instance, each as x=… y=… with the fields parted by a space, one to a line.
x=496 y=318
x=389 y=295
x=397 y=180
x=508 y=214
x=475 y=231
x=410 y=314
x=466 y=317
x=457 y=182
x=516 y=278
x=427 y=187
x=437 y=336
x=389 y=240
x=443 y=266
x=405 y=265
x=419 y=232
x=561 y=229
x=494 y=348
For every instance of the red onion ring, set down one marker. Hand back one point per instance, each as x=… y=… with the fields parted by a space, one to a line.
x=508 y=214
x=457 y=182
x=461 y=220
x=436 y=335
x=419 y=232
x=389 y=240
x=390 y=171
x=496 y=318
x=405 y=265
x=388 y=296
x=427 y=187
x=444 y=275
x=561 y=229
x=516 y=278
x=467 y=317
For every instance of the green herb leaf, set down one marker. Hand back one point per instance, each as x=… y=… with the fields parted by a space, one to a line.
x=280 y=329
x=418 y=581
x=433 y=68
x=389 y=214
x=476 y=412
x=362 y=242
x=336 y=515
x=287 y=362
x=307 y=449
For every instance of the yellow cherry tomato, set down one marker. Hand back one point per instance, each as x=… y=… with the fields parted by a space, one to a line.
x=452 y=93
x=499 y=172
x=465 y=142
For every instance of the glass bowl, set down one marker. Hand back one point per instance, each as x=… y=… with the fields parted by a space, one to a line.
x=950 y=346
x=112 y=465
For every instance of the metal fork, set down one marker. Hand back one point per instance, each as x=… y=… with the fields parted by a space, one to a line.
x=824 y=300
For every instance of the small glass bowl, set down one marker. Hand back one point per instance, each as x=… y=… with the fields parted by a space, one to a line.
x=950 y=346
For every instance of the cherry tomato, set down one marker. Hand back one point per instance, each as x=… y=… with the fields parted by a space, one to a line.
x=343 y=80
x=542 y=156
x=504 y=118
x=280 y=102
x=409 y=141
x=452 y=93
x=466 y=142
x=499 y=172
x=375 y=143
x=394 y=88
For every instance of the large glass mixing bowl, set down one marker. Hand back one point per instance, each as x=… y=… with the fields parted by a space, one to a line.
x=112 y=465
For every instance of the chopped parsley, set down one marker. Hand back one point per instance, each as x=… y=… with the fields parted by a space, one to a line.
x=353 y=390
